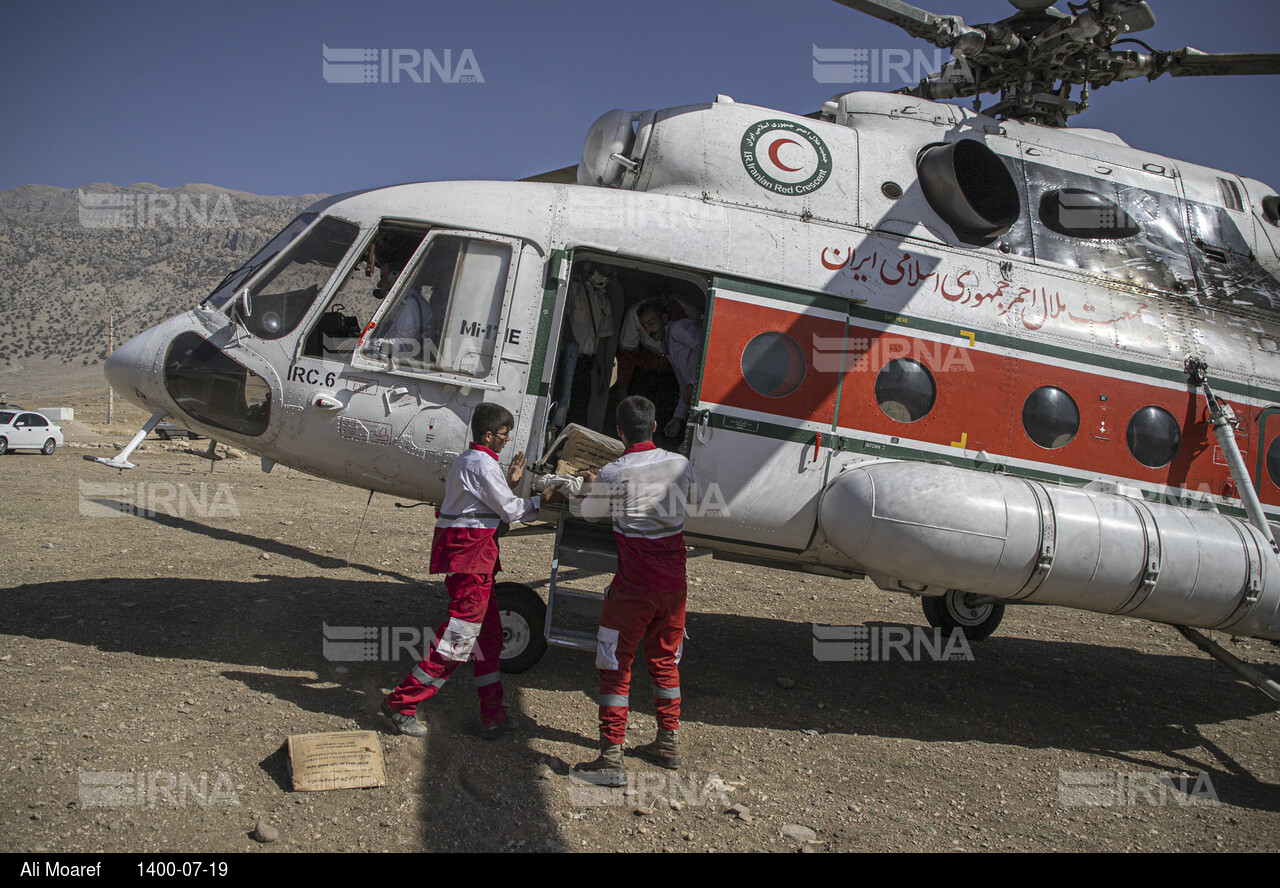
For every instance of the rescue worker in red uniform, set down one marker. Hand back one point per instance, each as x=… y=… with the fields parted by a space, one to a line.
x=645 y=491
x=464 y=547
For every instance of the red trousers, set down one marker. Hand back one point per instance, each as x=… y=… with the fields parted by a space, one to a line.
x=656 y=622
x=474 y=631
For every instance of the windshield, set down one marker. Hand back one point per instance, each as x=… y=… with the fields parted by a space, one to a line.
x=227 y=288
x=282 y=296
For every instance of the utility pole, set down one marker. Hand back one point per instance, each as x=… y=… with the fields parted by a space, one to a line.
x=111 y=346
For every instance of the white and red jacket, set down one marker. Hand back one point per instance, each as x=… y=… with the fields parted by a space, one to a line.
x=646 y=491
x=476 y=499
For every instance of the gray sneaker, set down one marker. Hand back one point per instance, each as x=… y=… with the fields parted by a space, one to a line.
x=403 y=724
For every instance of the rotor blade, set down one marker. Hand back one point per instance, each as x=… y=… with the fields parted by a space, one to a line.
x=563 y=176
x=916 y=22
x=1194 y=63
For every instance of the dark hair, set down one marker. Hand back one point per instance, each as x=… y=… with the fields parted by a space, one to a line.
x=653 y=306
x=635 y=419
x=490 y=417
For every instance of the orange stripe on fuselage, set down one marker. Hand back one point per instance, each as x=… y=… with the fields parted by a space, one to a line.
x=979 y=394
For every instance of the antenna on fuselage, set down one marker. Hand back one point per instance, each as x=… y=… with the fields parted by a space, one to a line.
x=360 y=528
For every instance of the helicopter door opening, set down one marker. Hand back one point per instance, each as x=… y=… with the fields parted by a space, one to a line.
x=604 y=352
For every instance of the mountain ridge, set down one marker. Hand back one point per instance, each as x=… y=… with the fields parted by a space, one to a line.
x=141 y=252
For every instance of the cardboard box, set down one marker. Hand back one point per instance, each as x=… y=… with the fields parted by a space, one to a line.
x=585 y=449
x=337 y=760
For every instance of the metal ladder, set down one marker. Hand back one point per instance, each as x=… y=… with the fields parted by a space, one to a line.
x=588 y=547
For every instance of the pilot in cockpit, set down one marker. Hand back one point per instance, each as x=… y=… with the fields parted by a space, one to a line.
x=410 y=328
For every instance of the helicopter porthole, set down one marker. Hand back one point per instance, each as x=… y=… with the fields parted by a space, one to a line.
x=1050 y=417
x=1273 y=462
x=891 y=190
x=905 y=390
x=1153 y=437
x=773 y=364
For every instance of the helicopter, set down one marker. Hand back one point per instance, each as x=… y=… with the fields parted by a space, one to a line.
x=974 y=355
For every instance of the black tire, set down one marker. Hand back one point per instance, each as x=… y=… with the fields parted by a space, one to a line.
x=162 y=434
x=523 y=616
x=949 y=612
x=4 y=446
x=49 y=446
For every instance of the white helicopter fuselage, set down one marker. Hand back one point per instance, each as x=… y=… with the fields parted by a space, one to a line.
x=941 y=350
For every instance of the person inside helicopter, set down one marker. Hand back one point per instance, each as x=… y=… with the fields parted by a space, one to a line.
x=681 y=344
x=411 y=328
x=338 y=330
x=596 y=302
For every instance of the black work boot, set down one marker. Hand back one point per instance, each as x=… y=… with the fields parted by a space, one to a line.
x=606 y=769
x=508 y=727
x=664 y=751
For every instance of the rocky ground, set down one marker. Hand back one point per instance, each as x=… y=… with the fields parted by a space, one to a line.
x=181 y=646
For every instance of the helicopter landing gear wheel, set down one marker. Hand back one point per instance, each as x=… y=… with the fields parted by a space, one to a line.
x=523 y=615
x=959 y=610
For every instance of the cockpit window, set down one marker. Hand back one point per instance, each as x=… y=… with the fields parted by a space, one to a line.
x=227 y=288
x=446 y=317
x=337 y=329
x=279 y=301
x=213 y=388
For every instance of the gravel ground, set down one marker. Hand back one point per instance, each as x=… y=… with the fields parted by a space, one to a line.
x=181 y=648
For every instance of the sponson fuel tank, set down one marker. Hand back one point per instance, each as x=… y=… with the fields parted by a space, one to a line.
x=1014 y=538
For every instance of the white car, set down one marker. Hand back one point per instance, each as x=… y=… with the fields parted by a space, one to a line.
x=23 y=430
x=167 y=430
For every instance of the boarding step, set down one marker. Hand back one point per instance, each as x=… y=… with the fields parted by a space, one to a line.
x=571 y=638
x=573 y=614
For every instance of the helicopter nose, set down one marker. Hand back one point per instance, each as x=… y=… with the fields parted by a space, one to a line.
x=124 y=365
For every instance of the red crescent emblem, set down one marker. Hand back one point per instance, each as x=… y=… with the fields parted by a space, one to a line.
x=773 y=155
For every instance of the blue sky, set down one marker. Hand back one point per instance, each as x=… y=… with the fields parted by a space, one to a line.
x=233 y=94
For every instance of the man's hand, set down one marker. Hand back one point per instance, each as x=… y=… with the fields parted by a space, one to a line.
x=587 y=475
x=673 y=427
x=554 y=493
x=515 y=470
